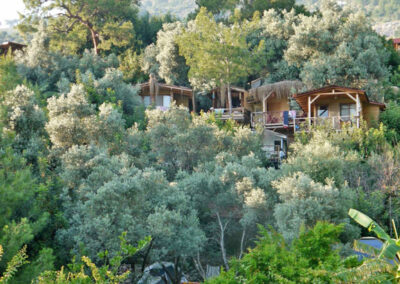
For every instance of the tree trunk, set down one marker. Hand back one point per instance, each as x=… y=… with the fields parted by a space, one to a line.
x=221 y=102
x=199 y=266
x=153 y=89
x=146 y=255
x=242 y=243
x=229 y=98
x=222 y=241
x=94 y=40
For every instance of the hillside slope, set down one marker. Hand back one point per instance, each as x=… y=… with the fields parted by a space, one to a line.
x=380 y=10
x=180 y=8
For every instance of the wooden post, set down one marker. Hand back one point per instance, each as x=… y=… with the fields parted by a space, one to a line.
x=230 y=99
x=213 y=100
x=194 y=102
x=152 y=88
x=309 y=111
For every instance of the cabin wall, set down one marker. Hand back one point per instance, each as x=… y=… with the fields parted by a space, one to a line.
x=273 y=104
x=246 y=105
x=178 y=99
x=181 y=100
x=277 y=104
x=371 y=114
x=332 y=103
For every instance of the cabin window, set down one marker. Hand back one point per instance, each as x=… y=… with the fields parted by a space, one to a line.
x=159 y=101
x=277 y=145
x=347 y=111
x=146 y=101
x=323 y=111
x=166 y=101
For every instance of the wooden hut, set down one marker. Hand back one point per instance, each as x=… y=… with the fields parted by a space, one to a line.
x=268 y=103
x=338 y=105
x=161 y=95
x=8 y=45
x=236 y=109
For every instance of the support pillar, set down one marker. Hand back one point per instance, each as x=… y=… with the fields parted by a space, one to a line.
x=309 y=111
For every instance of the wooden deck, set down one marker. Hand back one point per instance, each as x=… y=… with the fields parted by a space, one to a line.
x=274 y=120
x=236 y=114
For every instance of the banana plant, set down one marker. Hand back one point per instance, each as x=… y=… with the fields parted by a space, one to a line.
x=391 y=247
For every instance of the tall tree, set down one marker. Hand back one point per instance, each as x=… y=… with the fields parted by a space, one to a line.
x=215 y=52
x=106 y=21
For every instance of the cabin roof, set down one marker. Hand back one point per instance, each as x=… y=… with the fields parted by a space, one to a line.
x=171 y=88
x=5 y=46
x=329 y=88
x=333 y=90
x=233 y=88
x=282 y=89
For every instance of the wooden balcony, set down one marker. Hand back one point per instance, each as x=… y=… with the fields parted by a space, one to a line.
x=276 y=120
x=333 y=122
x=271 y=119
x=238 y=113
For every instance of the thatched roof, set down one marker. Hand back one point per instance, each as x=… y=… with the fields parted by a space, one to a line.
x=283 y=89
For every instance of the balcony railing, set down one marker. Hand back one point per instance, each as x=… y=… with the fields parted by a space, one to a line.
x=273 y=120
x=333 y=122
x=238 y=113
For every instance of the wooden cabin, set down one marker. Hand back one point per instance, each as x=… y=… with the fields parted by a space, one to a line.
x=396 y=43
x=270 y=105
x=8 y=45
x=336 y=106
x=220 y=103
x=281 y=114
x=162 y=95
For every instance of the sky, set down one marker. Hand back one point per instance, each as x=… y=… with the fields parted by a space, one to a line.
x=9 y=11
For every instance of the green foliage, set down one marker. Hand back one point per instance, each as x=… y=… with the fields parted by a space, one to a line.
x=26 y=119
x=215 y=53
x=273 y=260
x=9 y=77
x=23 y=217
x=304 y=202
x=107 y=195
x=315 y=245
x=177 y=148
x=238 y=195
x=72 y=18
x=338 y=47
x=82 y=161
x=108 y=273
x=391 y=119
x=15 y=263
x=390 y=248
